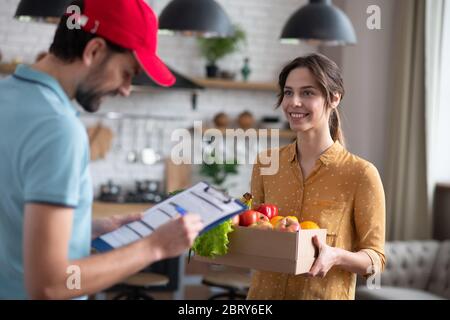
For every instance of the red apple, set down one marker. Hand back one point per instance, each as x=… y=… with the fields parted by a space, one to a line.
x=250 y=216
x=247 y=218
x=262 y=218
x=287 y=224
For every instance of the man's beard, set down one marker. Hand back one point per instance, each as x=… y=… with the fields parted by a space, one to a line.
x=90 y=98
x=87 y=94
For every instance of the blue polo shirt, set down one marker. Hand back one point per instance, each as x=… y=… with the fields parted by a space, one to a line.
x=44 y=158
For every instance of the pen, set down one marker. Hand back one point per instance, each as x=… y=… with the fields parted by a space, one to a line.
x=179 y=209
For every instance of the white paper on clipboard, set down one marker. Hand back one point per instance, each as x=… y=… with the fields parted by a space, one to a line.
x=211 y=204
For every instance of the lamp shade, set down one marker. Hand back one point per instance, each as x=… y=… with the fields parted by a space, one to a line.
x=321 y=23
x=195 y=17
x=47 y=10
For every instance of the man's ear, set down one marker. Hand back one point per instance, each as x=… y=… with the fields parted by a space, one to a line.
x=335 y=100
x=94 y=51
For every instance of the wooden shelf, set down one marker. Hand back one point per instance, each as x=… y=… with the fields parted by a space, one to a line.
x=235 y=85
x=9 y=68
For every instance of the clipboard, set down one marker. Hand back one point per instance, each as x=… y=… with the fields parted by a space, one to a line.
x=213 y=205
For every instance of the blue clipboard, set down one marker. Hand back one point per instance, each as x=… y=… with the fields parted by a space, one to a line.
x=101 y=245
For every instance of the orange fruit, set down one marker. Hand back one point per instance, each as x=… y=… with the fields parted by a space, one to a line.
x=275 y=219
x=309 y=225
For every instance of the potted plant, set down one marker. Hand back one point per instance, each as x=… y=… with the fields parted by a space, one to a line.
x=214 y=49
x=217 y=173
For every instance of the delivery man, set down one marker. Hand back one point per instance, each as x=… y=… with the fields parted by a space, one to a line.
x=45 y=186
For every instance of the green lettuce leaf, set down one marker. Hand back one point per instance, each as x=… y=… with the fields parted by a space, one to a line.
x=214 y=242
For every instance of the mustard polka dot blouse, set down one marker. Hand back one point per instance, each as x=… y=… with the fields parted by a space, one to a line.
x=343 y=194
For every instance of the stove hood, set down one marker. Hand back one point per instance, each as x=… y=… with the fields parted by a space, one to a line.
x=182 y=82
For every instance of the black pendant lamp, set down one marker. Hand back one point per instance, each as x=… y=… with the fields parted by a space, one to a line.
x=41 y=10
x=320 y=23
x=205 y=18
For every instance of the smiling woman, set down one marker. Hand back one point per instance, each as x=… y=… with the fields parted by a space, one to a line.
x=321 y=83
x=321 y=181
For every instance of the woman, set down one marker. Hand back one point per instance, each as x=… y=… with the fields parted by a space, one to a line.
x=319 y=180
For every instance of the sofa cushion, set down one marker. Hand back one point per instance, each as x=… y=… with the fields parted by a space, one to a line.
x=409 y=263
x=393 y=293
x=440 y=275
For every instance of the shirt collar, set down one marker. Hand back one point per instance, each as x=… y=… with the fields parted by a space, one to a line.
x=327 y=157
x=292 y=151
x=26 y=73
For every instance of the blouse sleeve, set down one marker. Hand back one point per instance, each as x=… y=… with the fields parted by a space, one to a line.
x=370 y=218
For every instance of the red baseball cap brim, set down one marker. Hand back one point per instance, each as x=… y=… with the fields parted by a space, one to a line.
x=154 y=67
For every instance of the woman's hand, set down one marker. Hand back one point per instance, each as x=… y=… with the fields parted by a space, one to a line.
x=105 y=225
x=328 y=257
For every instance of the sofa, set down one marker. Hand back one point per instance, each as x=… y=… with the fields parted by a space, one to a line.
x=415 y=270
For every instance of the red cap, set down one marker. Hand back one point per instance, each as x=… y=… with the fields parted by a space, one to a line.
x=133 y=25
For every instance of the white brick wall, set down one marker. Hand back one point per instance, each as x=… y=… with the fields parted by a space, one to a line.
x=20 y=40
x=261 y=19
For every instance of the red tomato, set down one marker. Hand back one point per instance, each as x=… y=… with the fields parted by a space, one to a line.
x=269 y=210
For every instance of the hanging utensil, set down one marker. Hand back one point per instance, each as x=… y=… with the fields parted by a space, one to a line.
x=148 y=154
x=160 y=149
x=133 y=154
x=119 y=143
x=118 y=147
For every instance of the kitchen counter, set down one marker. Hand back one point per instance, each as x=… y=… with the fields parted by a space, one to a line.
x=104 y=209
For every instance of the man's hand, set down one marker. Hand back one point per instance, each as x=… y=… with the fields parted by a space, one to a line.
x=327 y=258
x=47 y=233
x=108 y=224
x=176 y=236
